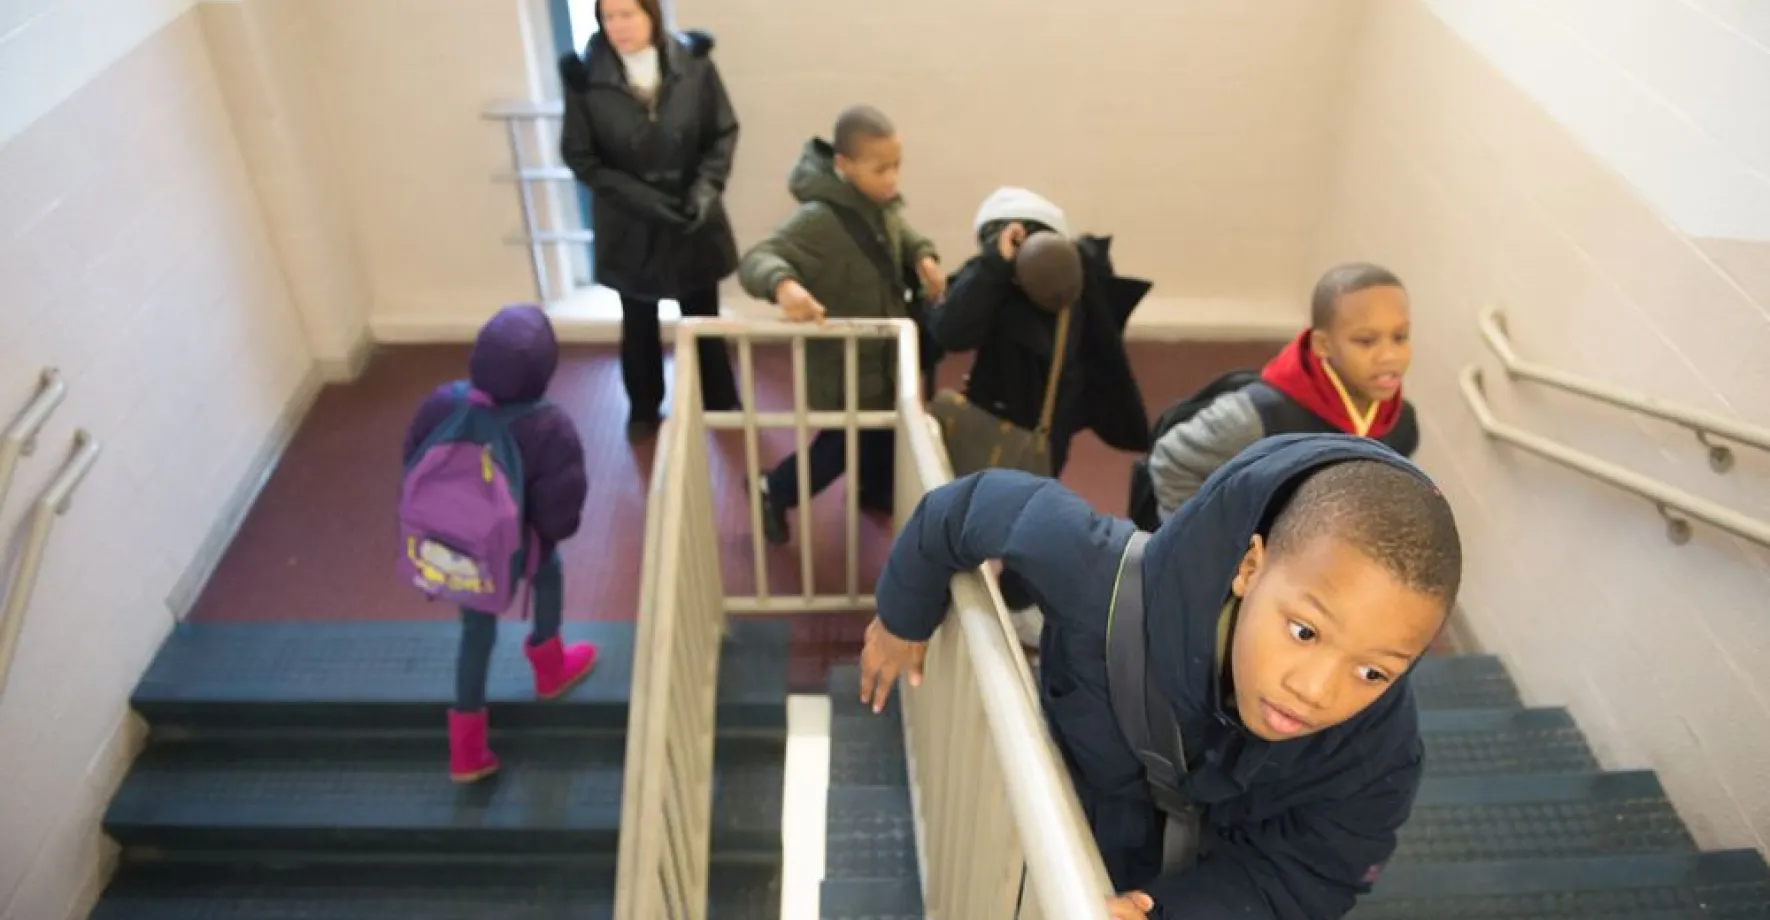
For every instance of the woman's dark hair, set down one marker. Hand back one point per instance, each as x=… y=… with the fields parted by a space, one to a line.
x=652 y=9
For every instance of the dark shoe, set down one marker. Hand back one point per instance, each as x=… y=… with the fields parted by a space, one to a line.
x=774 y=519
x=640 y=430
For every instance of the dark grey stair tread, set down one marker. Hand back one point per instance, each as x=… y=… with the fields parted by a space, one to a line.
x=844 y=687
x=870 y=899
x=401 y=674
x=556 y=795
x=1463 y=742
x=1541 y=816
x=867 y=750
x=513 y=890
x=870 y=832
x=1463 y=682
x=1637 y=887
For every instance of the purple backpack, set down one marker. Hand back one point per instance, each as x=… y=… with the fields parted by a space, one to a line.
x=462 y=534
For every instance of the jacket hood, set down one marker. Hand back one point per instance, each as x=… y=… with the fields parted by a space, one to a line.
x=814 y=178
x=600 y=63
x=515 y=355
x=1191 y=560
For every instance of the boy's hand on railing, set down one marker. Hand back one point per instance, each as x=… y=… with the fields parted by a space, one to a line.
x=882 y=659
x=797 y=304
x=1133 y=905
x=932 y=277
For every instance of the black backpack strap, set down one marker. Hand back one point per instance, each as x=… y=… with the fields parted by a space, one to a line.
x=870 y=243
x=1144 y=717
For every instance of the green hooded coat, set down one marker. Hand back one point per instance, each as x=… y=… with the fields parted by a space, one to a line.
x=814 y=248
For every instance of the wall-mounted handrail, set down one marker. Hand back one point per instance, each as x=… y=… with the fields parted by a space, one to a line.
x=1705 y=425
x=54 y=502
x=1675 y=505
x=20 y=438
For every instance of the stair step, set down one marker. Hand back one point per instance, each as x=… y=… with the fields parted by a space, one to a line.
x=870 y=832
x=558 y=797
x=1730 y=884
x=844 y=687
x=870 y=899
x=1540 y=817
x=1463 y=682
x=1488 y=742
x=212 y=678
x=510 y=890
x=1459 y=742
x=867 y=750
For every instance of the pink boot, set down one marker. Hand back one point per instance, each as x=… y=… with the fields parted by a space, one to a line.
x=559 y=667
x=469 y=758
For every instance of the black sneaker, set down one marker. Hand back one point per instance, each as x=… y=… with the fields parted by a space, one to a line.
x=774 y=519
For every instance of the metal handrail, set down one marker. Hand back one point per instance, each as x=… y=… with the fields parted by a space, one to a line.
x=1705 y=425
x=20 y=439
x=990 y=794
x=54 y=502
x=1063 y=864
x=1675 y=505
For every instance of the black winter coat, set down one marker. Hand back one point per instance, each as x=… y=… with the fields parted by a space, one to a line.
x=984 y=310
x=657 y=171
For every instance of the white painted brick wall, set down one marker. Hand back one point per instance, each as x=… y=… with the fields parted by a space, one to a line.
x=1198 y=132
x=1475 y=193
x=135 y=258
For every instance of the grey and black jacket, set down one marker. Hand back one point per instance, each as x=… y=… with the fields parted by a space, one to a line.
x=1187 y=454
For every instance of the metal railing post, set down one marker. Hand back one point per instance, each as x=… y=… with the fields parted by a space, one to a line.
x=57 y=498
x=1704 y=425
x=1672 y=504
x=998 y=826
x=20 y=439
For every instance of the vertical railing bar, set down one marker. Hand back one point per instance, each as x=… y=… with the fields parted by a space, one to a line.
x=851 y=444
x=802 y=460
x=753 y=463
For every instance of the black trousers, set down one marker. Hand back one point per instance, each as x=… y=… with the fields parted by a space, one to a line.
x=642 y=357
x=828 y=459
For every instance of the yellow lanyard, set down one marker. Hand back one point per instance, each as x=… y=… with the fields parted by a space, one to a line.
x=1360 y=421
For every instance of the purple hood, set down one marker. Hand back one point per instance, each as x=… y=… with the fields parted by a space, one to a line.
x=515 y=355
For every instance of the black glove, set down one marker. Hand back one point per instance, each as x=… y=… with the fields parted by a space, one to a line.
x=664 y=210
x=698 y=207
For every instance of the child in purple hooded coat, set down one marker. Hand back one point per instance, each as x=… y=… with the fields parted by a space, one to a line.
x=513 y=361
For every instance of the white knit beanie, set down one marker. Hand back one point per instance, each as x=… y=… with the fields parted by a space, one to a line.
x=1009 y=203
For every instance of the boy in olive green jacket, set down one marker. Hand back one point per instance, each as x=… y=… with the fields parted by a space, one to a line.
x=846 y=252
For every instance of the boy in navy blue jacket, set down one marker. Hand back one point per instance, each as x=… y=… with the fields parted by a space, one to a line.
x=1285 y=604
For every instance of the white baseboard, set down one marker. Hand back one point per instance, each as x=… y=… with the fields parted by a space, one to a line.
x=593 y=317
x=107 y=767
x=352 y=365
x=1215 y=319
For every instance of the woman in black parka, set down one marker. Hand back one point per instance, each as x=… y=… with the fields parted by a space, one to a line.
x=649 y=129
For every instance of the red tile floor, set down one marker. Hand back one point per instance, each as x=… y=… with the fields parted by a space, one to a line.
x=322 y=532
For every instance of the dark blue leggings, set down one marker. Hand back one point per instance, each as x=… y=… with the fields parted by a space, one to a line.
x=479 y=632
